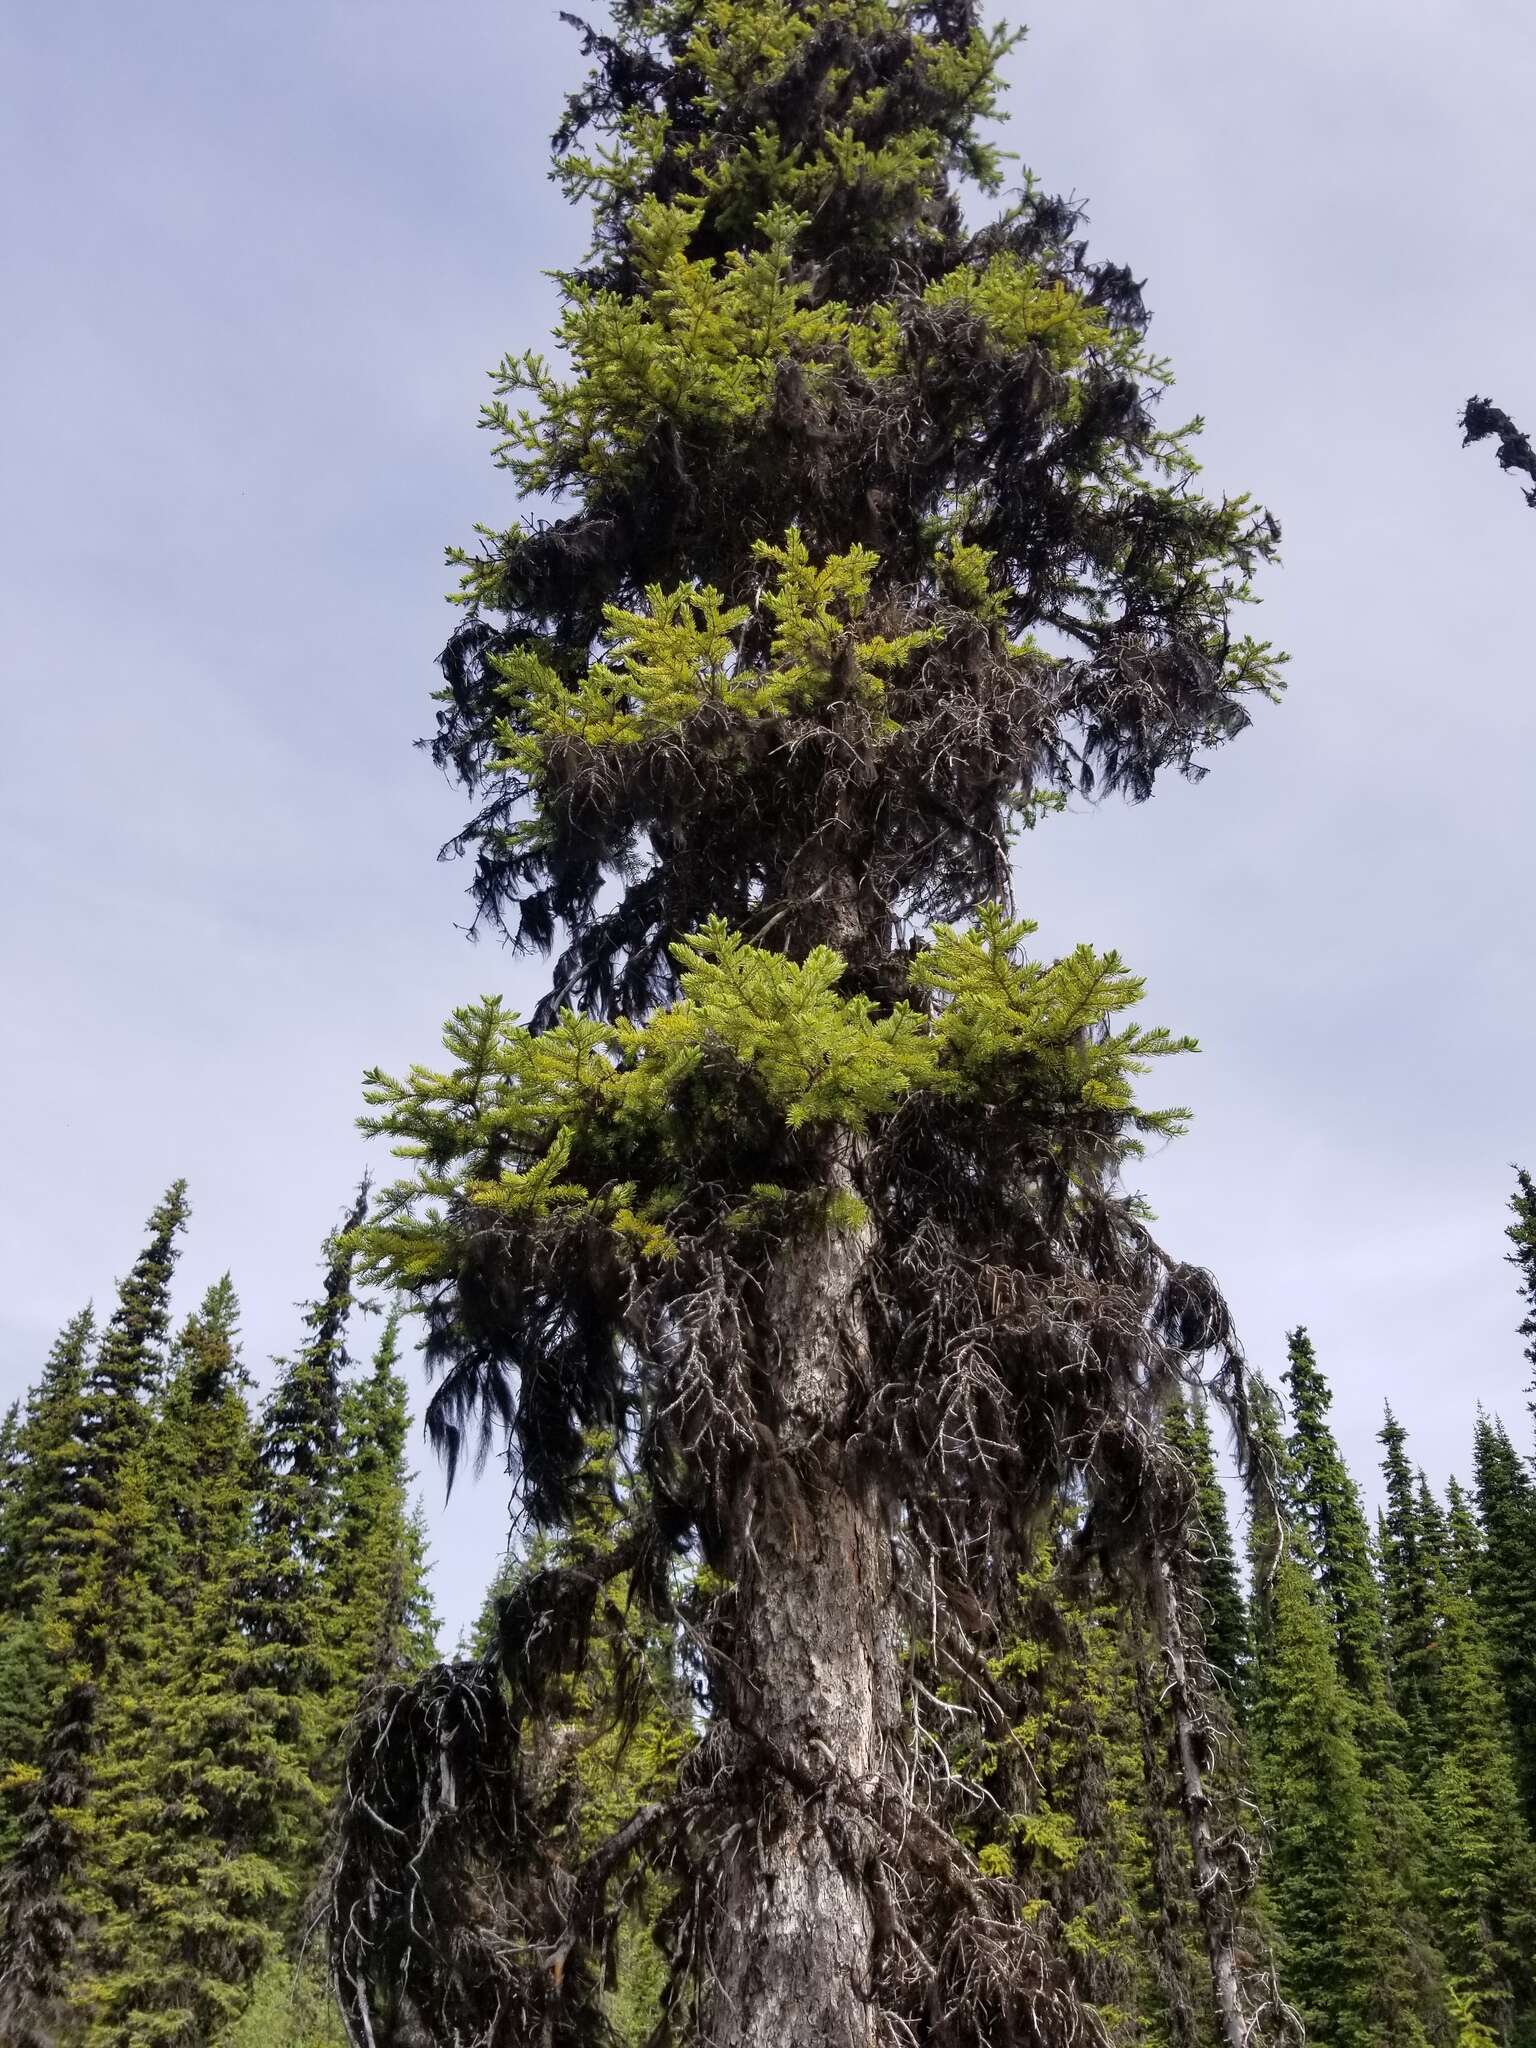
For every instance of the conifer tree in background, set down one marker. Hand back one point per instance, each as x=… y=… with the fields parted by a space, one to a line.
x=1506 y=1500
x=874 y=545
x=96 y=1602
x=169 y=1951
x=1224 y=1610
x=1482 y=1864
x=381 y=1610
x=301 y=1425
x=1506 y=1583
x=1408 y=1570
x=1334 y=1519
x=1332 y=1515
x=1325 y=1885
x=286 y=1654
x=40 y=1498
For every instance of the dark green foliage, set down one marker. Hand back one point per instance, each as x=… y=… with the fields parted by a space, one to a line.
x=1223 y=1608
x=1325 y=1885
x=96 y=1612
x=301 y=1430
x=1506 y=1500
x=115 y=1416
x=1482 y=1864
x=1408 y=1568
x=1522 y=1236
x=169 y=1769
x=40 y=1494
x=382 y=1623
x=1334 y=1519
x=176 y=1901
x=1505 y=1580
x=1409 y=1996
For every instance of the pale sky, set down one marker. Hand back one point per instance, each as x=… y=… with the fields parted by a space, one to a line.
x=257 y=262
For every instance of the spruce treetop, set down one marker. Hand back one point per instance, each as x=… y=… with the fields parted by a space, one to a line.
x=1522 y=1236
x=875 y=533
x=1330 y=1504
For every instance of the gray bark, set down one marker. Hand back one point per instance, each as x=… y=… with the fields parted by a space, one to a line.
x=814 y=1695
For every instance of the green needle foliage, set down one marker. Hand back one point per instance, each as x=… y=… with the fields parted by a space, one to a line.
x=1324 y=1884
x=39 y=1500
x=186 y=1624
x=96 y=1613
x=835 y=465
x=1410 y=1996
x=1410 y=1542
x=381 y=1607
x=167 y=1960
x=1482 y=1863
x=1224 y=1611
x=1506 y=1497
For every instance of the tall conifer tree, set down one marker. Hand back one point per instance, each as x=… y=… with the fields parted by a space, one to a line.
x=1224 y=1611
x=1410 y=1996
x=1481 y=1862
x=41 y=1497
x=287 y=1650
x=872 y=544
x=1506 y=1582
x=1335 y=1521
x=169 y=1954
x=377 y=1573
x=1327 y=1883
x=1408 y=1568
x=97 y=1600
x=1506 y=1496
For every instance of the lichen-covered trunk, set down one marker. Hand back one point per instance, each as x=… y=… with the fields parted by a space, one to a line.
x=814 y=1693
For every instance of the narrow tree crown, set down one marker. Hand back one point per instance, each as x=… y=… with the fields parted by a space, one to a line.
x=875 y=532
x=864 y=542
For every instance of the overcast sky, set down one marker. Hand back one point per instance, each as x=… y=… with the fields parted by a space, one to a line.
x=257 y=261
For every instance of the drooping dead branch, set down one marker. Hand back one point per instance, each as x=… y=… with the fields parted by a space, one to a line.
x=1481 y=420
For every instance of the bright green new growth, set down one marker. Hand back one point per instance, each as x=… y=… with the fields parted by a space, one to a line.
x=702 y=344
x=731 y=45
x=755 y=1034
x=684 y=650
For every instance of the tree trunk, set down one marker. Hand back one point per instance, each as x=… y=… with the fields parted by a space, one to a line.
x=813 y=1692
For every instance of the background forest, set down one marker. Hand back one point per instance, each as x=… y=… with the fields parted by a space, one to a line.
x=864 y=1441
x=264 y=1570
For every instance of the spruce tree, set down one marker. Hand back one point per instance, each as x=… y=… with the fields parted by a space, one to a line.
x=1506 y=1498
x=40 y=1497
x=1506 y=1583
x=97 y=1602
x=1326 y=1883
x=285 y=1663
x=301 y=1445
x=872 y=544
x=1332 y=1516
x=1482 y=1863
x=377 y=1589
x=1331 y=1509
x=1224 y=1611
x=1408 y=1546
x=166 y=1959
